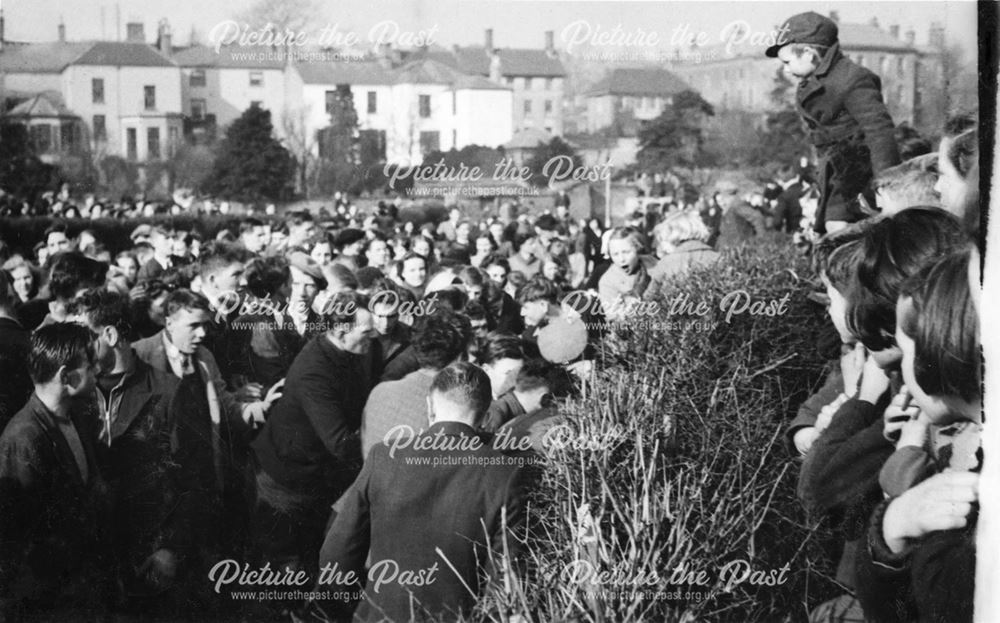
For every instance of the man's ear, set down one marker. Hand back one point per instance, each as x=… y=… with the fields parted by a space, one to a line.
x=112 y=335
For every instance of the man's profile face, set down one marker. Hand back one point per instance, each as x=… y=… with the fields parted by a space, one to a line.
x=358 y=339
x=57 y=242
x=229 y=278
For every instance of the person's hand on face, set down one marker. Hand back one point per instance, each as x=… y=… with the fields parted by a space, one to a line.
x=942 y=502
x=898 y=413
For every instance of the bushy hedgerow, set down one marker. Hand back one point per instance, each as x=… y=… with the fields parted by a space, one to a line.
x=677 y=457
x=22 y=234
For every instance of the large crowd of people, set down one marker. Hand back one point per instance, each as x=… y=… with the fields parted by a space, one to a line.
x=326 y=396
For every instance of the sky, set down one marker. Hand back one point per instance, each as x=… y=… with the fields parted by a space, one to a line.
x=516 y=23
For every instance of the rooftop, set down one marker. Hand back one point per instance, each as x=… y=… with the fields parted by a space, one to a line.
x=638 y=82
x=56 y=56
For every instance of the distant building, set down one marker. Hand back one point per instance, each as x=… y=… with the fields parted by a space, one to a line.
x=537 y=77
x=422 y=106
x=743 y=79
x=630 y=95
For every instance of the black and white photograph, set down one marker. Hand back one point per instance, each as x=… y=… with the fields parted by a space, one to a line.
x=505 y=311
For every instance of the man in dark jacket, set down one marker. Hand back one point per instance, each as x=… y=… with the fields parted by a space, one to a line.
x=309 y=451
x=158 y=460
x=846 y=120
x=436 y=521
x=50 y=485
x=14 y=347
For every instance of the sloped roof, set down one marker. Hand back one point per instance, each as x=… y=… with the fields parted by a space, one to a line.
x=639 y=82
x=513 y=62
x=477 y=83
x=367 y=72
x=45 y=104
x=528 y=138
x=425 y=71
x=119 y=54
x=229 y=57
x=49 y=57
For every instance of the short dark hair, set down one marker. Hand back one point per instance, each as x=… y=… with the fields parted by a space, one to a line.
x=536 y=373
x=465 y=384
x=495 y=259
x=219 y=254
x=944 y=326
x=299 y=217
x=496 y=346
x=56 y=345
x=105 y=308
x=441 y=338
x=8 y=298
x=56 y=228
x=249 y=223
x=539 y=289
x=894 y=249
x=824 y=249
x=71 y=270
x=185 y=299
x=267 y=275
x=546 y=222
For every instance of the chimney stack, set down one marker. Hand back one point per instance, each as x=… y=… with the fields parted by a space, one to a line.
x=165 y=39
x=894 y=31
x=489 y=40
x=835 y=16
x=911 y=37
x=62 y=30
x=135 y=32
x=549 y=41
x=873 y=22
x=1 y=29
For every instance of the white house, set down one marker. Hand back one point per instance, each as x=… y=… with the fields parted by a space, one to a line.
x=417 y=108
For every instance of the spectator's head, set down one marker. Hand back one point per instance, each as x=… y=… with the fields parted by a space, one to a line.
x=339 y=278
x=501 y=356
x=307 y=281
x=62 y=360
x=71 y=271
x=459 y=393
x=86 y=242
x=463 y=231
x=894 y=249
x=187 y=317
x=937 y=330
x=109 y=315
x=910 y=183
x=322 y=251
x=474 y=280
x=484 y=245
x=267 y=278
x=222 y=266
x=413 y=270
x=9 y=299
x=554 y=269
x=422 y=246
x=143 y=252
x=727 y=193
x=56 y=239
x=624 y=247
x=23 y=278
x=958 y=174
x=348 y=242
x=441 y=338
x=539 y=382
x=128 y=266
x=680 y=227
x=537 y=297
x=162 y=242
x=496 y=232
x=253 y=235
x=376 y=251
x=386 y=306
x=497 y=268
x=351 y=325
x=301 y=228
x=838 y=273
x=526 y=245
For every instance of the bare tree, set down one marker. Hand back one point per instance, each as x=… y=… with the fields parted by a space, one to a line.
x=300 y=143
x=284 y=14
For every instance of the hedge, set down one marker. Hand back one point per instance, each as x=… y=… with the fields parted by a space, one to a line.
x=688 y=466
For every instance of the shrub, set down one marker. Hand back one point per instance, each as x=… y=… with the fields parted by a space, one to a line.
x=689 y=466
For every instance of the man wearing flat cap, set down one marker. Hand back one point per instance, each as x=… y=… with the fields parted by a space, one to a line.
x=272 y=336
x=844 y=114
x=348 y=243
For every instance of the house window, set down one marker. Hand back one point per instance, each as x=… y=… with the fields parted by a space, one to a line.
x=548 y=106
x=883 y=65
x=131 y=144
x=97 y=90
x=197 y=78
x=41 y=138
x=900 y=66
x=256 y=78
x=149 y=95
x=510 y=80
x=256 y=104
x=527 y=84
x=331 y=101
x=548 y=84
x=153 y=142
x=197 y=109
x=527 y=107
x=372 y=102
x=425 y=105
x=100 y=128
x=430 y=141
